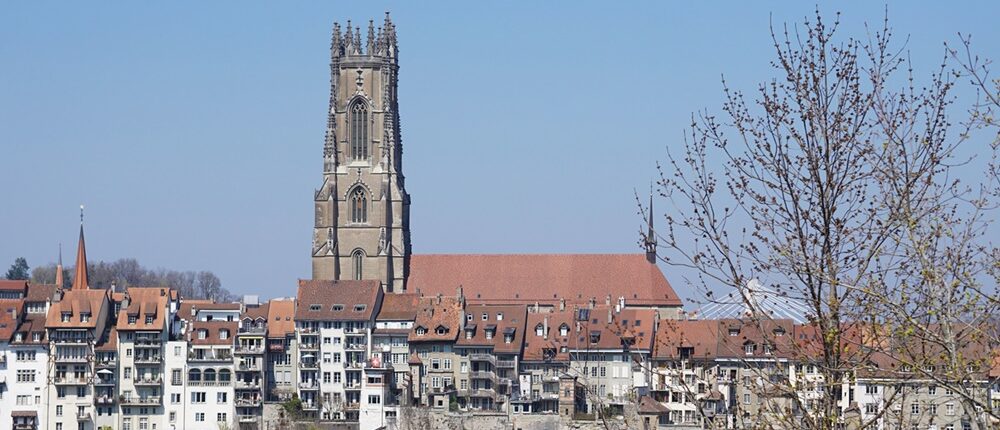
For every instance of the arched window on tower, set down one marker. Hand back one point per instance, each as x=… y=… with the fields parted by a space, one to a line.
x=359 y=130
x=359 y=205
x=357 y=260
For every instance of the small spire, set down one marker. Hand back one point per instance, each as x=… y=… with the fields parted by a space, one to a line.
x=357 y=40
x=59 y=269
x=371 y=37
x=335 y=41
x=80 y=278
x=650 y=241
x=348 y=40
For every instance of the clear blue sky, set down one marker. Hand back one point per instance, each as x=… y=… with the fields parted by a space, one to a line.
x=192 y=131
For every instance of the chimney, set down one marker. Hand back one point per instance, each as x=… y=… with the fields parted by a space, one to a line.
x=607 y=300
x=593 y=302
x=439 y=298
x=562 y=303
x=621 y=302
x=545 y=328
x=610 y=320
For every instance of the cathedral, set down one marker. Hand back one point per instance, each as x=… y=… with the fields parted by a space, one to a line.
x=362 y=222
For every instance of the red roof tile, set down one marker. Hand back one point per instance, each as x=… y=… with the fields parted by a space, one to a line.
x=437 y=312
x=144 y=302
x=475 y=325
x=76 y=302
x=337 y=300
x=213 y=329
x=398 y=307
x=542 y=278
x=280 y=318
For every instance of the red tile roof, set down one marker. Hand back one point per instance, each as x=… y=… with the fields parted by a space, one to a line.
x=33 y=323
x=40 y=292
x=702 y=337
x=76 y=302
x=188 y=307
x=337 y=300
x=551 y=346
x=435 y=312
x=513 y=322
x=144 y=302
x=110 y=344
x=280 y=318
x=399 y=307
x=15 y=285
x=542 y=278
x=213 y=328
x=10 y=313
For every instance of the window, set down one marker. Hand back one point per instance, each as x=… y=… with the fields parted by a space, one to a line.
x=223 y=334
x=59 y=410
x=374 y=399
x=871 y=408
x=949 y=409
x=748 y=348
x=200 y=416
x=447 y=364
x=173 y=416
x=932 y=390
x=66 y=317
x=220 y=398
x=357 y=259
x=563 y=330
x=221 y=417
x=539 y=330
x=359 y=205
x=25 y=375
x=464 y=367
x=149 y=319
x=359 y=130
x=746 y=398
x=871 y=389
x=499 y=316
x=132 y=319
x=198 y=397
x=175 y=398
x=85 y=317
x=915 y=408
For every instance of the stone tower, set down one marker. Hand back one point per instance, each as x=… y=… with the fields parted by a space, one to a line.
x=362 y=228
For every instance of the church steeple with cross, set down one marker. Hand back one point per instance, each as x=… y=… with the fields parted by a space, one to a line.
x=362 y=208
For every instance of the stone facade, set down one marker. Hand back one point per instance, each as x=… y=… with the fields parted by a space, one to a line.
x=362 y=208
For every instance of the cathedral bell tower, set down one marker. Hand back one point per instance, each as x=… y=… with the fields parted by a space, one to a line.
x=362 y=228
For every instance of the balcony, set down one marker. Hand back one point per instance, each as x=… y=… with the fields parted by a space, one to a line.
x=503 y=381
x=311 y=346
x=74 y=340
x=506 y=364
x=308 y=365
x=71 y=358
x=139 y=401
x=478 y=392
x=249 y=350
x=356 y=347
x=352 y=385
x=108 y=381
x=107 y=364
x=209 y=357
x=147 y=343
x=482 y=374
x=104 y=400
x=550 y=378
x=148 y=359
x=243 y=402
x=309 y=386
x=25 y=426
x=489 y=358
x=253 y=330
x=248 y=367
x=550 y=396
x=84 y=416
x=209 y=383
x=310 y=406
x=151 y=381
x=352 y=406
x=276 y=347
x=71 y=380
x=248 y=418
x=247 y=385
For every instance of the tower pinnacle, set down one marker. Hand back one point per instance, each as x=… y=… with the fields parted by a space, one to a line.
x=80 y=277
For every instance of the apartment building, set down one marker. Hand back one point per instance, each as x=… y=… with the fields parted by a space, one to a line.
x=280 y=374
x=433 y=369
x=250 y=358
x=544 y=361
x=142 y=330
x=684 y=375
x=390 y=339
x=210 y=330
x=27 y=363
x=334 y=321
x=489 y=346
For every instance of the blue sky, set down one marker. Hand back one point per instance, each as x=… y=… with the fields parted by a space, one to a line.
x=192 y=131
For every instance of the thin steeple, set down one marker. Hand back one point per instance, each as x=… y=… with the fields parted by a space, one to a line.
x=59 y=269
x=80 y=277
x=650 y=242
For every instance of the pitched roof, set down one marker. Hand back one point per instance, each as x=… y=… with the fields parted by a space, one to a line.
x=144 y=302
x=321 y=300
x=10 y=313
x=76 y=302
x=550 y=345
x=188 y=307
x=512 y=322
x=255 y=312
x=649 y=406
x=398 y=307
x=701 y=336
x=280 y=318
x=13 y=285
x=40 y=292
x=33 y=323
x=434 y=312
x=604 y=329
x=80 y=281
x=542 y=278
x=213 y=329
x=110 y=344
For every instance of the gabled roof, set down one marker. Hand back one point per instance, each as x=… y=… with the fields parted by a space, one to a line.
x=189 y=307
x=512 y=322
x=701 y=337
x=255 y=312
x=542 y=278
x=320 y=300
x=548 y=346
x=280 y=318
x=40 y=292
x=144 y=302
x=75 y=303
x=13 y=285
x=435 y=312
x=213 y=328
x=33 y=323
x=10 y=313
x=110 y=344
x=399 y=307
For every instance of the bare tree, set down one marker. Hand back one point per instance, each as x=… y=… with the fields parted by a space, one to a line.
x=839 y=190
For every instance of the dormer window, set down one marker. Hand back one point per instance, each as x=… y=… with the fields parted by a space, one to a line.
x=595 y=336
x=780 y=331
x=638 y=323
x=421 y=331
x=563 y=330
x=489 y=333
x=468 y=317
x=468 y=333
x=360 y=308
x=499 y=316
x=315 y=308
x=202 y=334
x=223 y=334
x=18 y=337
x=132 y=319
x=36 y=337
x=67 y=317
x=149 y=319
x=85 y=317
x=337 y=308
x=539 y=330
x=508 y=338
x=767 y=349
x=486 y=316
x=748 y=348
x=734 y=332
x=441 y=330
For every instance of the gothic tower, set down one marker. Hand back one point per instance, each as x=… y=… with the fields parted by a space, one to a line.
x=362 y=228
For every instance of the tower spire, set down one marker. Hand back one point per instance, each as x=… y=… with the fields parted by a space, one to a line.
x=80 y=276
x=59 y=269
x=650 y=240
